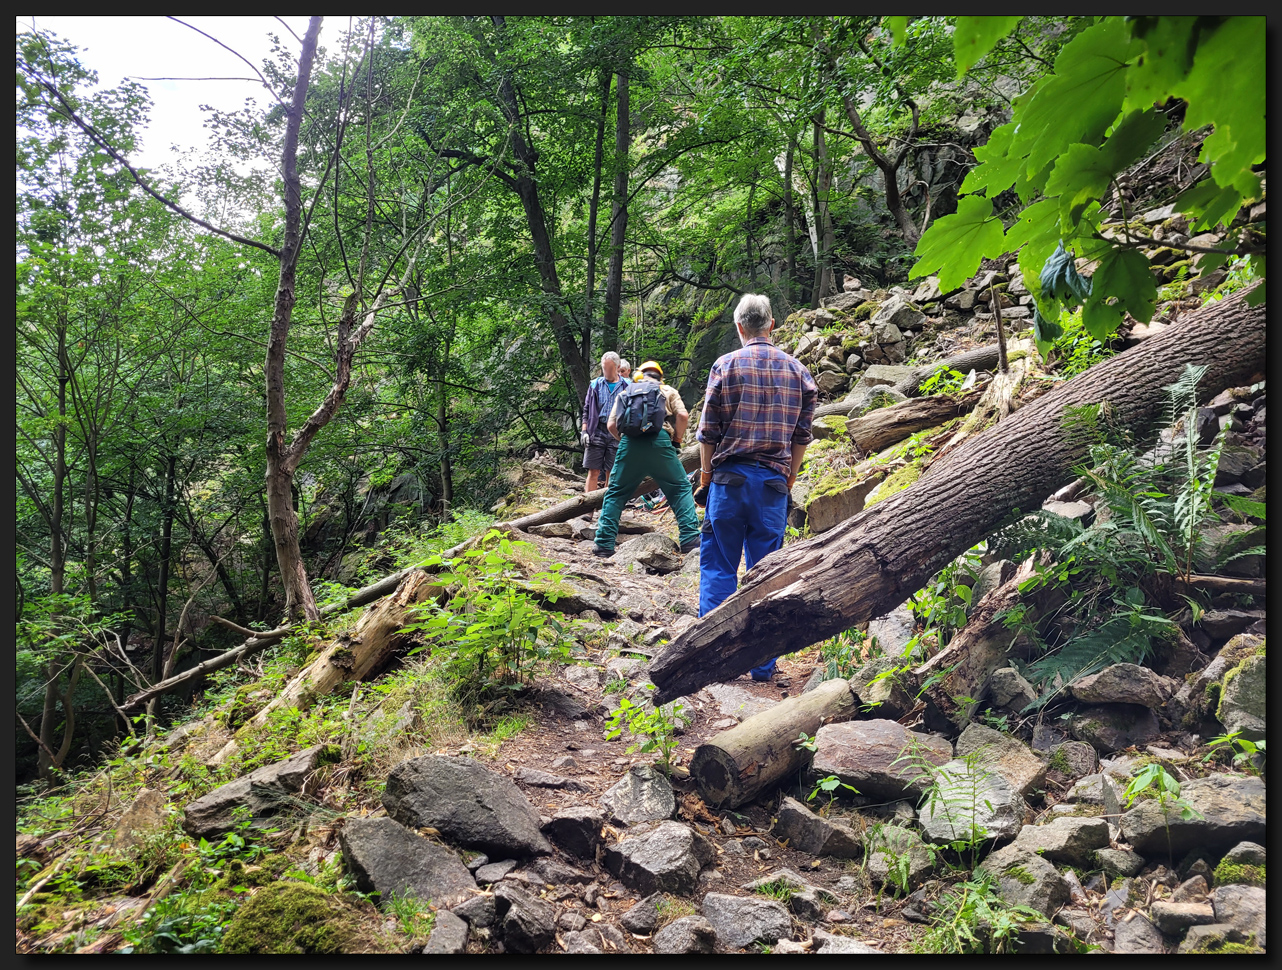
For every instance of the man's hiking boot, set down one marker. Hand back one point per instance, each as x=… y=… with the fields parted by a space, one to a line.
x=602 y=552
x=689 y=545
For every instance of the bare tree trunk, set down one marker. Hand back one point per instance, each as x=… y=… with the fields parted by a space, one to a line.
x=618 y=221
x=790 y=226
x=162 y=578
x=872 y=562
x=823 y=185
x=593 y=204
x=280 y=473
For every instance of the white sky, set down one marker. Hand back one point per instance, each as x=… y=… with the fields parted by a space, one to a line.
x=147 y=47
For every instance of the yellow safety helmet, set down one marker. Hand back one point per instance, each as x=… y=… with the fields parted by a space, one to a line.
x=651 y=365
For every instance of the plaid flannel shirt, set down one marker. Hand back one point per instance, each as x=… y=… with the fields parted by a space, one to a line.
x=759 y=403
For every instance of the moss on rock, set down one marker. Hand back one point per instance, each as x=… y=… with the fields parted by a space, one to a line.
x=865 y=310
x=293 y=917
x=897 y=481
x=1230 y=872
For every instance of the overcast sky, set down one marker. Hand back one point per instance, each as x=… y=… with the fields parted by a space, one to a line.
x=149 y=47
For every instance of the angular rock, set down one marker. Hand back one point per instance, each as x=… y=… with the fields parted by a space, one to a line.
x=260 y=791
x=449 y=934
x=1066 y=839
x=577 y=830
x=1223 y=624
x=807 y=832
x=877 y=374
x=1074 y=759
x=1246 y=854
x=831 y=382
x=554 y=530
x=1125 y=684
x=1175 y=918
x=1231 y=809
x=899 y=314
x=1209 y=938
x=806 y=901
x=654 y=551
x=543 y=779
x=972 y=802
x=1137 y=935
x=643 y=917
x=467 y=803
x=831 y=943
x=838 y=502
x=1242 y=699
x=1119 y=862
x=887 y=850
x=552 y=873
x=861 y=754
x=494 y=871
x=526 y=924
x=389 y=859
x=1116 y=726
x=479 y=911
x=1008 y=757
x=664 y=859
x=689 y=934
x=1027 y=879
x=737 y=702
x=572 y=599
x=642 y=795
x=739 y=921
x=1242 y=907
x=583 y=941
x=1010 y=690
x=893 y=630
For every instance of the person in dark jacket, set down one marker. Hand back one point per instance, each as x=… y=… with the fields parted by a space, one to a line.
x=753 y=433
x=600 y=446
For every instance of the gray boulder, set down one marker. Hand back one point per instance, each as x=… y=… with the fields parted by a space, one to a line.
x=1231 y=810
x=807 y=832
x=262 y=791
x=893 y=630
x=689 y=934
x=577 y=830
x=1075 y=759
x=494 y=871
x=1116 y=726
x=832 y=944
x=899 y=314
x=1125 y=684
x=1137 y=935
x=666 y=858
x=1119 y=862
x=644 y=794
x=449 y=935
x=467 y=803
x=1246 y=854
x=735 y=701
x=1010 y=690
x=1007 y=756
x=545 y=779
x=1223 y=624
x=389 y=859
x=806 y=901
x=654 y=550
x=525 y=923
x=972 y=802
x=1071 y=840
x=1242 y=699
x=863 y=754
x=643 y=917
x=1175 y=918
x=740 y=920
x=1242 y=907
x=1025 y=878
x=1210 y=938
x=479 y=911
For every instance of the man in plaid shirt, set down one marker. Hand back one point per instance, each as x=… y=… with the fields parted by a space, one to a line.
x=753 y=433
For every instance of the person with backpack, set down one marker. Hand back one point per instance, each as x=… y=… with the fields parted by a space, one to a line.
x=600 y=446
x=649 y=419
x=626 y=370
x=753 y=432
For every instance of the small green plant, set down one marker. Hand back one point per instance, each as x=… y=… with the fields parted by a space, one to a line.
x=944 y=380
x=415 y=917
x=842 y=655
x=998 y=722
x=972 y=917
x=1154 y=781
x=954 y=794
x=830 y=784
x=616 y=686
x=779 y=889
x=654 y=728
x=1242 y=750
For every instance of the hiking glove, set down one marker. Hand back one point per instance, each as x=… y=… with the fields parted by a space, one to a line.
x=585 y=438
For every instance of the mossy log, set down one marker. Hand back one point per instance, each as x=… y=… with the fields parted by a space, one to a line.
x=735 y=766
x=871 y=563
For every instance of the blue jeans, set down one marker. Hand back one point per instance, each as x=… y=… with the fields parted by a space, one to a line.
x=746 y=514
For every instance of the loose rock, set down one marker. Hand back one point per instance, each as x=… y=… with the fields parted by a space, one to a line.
x=642 y=795
x=689 y=934
x=739 y=921
x=665 y=859
x=389 y=859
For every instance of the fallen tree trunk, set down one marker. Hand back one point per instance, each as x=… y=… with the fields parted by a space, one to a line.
x=871 y=563
x=736 y=765
x=883 y=427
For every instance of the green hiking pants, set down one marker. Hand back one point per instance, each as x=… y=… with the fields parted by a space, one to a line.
x=639 y=458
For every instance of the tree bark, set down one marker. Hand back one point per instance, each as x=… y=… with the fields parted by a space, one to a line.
x=162 y=578
x=871 y=563
x=735 y=766
x=593 y=205
x=790 y=226
x=823 y=188
x=618 y=223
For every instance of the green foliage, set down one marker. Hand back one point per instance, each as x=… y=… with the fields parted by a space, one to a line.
x=1075 y=350
x=829 y=784
x=1242 y=751
x=953 y=795
x=1154 y=781
x=973 y=37
x=944 y=380
x=842 y=655
x=492 y=630
x=942 y=605
x=972 y=917
x=1233 y=872
x=415 y=917
x=1079 y=127
x=778 y=889
x=653 y=728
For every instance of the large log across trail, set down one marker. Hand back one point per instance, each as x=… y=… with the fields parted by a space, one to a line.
x=871 y=563
x=734 y=766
